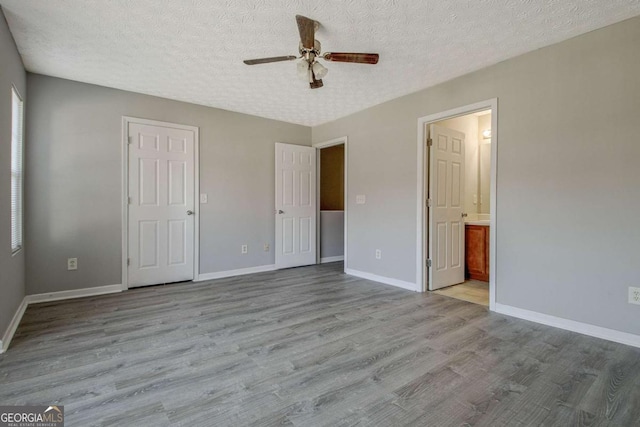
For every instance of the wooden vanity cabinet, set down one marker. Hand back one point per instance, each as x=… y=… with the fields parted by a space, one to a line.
x=477 y=252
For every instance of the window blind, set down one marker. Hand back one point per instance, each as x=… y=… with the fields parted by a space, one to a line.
x=17 y=142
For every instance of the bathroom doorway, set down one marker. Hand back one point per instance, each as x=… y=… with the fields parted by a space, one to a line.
x=457 y=204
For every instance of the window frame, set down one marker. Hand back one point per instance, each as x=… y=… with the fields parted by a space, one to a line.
x=17 y=172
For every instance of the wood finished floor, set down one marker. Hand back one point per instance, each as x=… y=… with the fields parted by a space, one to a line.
x=310 y=346
x=473 y=291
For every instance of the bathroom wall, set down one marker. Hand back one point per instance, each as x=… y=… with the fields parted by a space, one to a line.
x=484 y=167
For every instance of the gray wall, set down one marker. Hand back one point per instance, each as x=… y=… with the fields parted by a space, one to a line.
x=331 y=234
x=568 y=178
x=74 y=184
x=12 y=282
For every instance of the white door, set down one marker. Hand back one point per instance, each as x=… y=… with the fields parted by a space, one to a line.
x=295 y=205
x=161 y=204
x=446 y=221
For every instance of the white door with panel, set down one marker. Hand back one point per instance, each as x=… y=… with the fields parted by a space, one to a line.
x=295 y=205
x=161 y=213
x=446 y=213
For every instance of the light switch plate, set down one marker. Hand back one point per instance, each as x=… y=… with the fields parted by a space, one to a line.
x=361 y=199
x=203 y=198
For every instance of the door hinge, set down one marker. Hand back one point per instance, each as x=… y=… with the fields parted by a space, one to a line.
x=428 y=263
x=429 y=142
x=129 y=200
x=128 y=262
x=428 y=203
x=130 y=139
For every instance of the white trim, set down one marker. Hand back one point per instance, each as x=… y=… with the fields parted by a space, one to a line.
x=330 y=143
x=13 y=326
x=570 y=325
x=331 y=259
x=238 y=272
x=76 y=293
x=125 y=191
x=381 y=279
x=320 y=145
x=421 y=242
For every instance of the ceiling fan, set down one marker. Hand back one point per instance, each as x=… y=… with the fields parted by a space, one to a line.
x=310 y=51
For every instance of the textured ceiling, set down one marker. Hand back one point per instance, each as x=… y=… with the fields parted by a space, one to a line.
x=192 y=50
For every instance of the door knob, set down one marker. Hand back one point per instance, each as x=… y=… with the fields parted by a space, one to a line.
x=189 y=212
x=280 y=212
x=464 y=215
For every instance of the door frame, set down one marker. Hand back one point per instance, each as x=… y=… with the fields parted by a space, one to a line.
x=125 y=191
x=318 y=146
x=421 y=235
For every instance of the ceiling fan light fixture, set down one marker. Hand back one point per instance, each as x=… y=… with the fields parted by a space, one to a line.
x=310 y=50
x=319 y=70
x=303 y=69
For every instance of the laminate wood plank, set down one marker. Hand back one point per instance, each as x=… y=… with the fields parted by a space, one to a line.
x=310 y=346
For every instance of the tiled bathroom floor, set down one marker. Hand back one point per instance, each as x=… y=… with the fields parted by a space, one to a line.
x=473 y=291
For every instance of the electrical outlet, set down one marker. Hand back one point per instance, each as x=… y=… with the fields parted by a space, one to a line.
x=244 y=249
x=378 y=254
x=361 y=199
x=266 y=247
x=72 y=264
x=634 y=295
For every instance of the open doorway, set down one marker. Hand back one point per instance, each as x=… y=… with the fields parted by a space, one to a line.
x=331 y=196
x=474 y=132
x=457 y=203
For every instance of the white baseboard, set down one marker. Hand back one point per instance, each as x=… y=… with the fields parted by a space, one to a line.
x=13 y=326
x=50 y=296
x=386 y=280
x=570 y=325
x=76 y=293
x=331 y=259
x=238 y=272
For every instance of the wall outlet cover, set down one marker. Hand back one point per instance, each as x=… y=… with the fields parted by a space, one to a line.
x=361 y=199
x=72 y=264
x=203 y=198
x=266 y=247
x=244 y=249
x=378 y=254
x=634 y=295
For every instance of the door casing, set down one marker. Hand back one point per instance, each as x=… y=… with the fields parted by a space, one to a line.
x=125 y=192
x=421 y=235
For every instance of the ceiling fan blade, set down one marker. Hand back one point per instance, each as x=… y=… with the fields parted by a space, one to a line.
x=360 y=58
x=307 y=28
x=267 y=60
